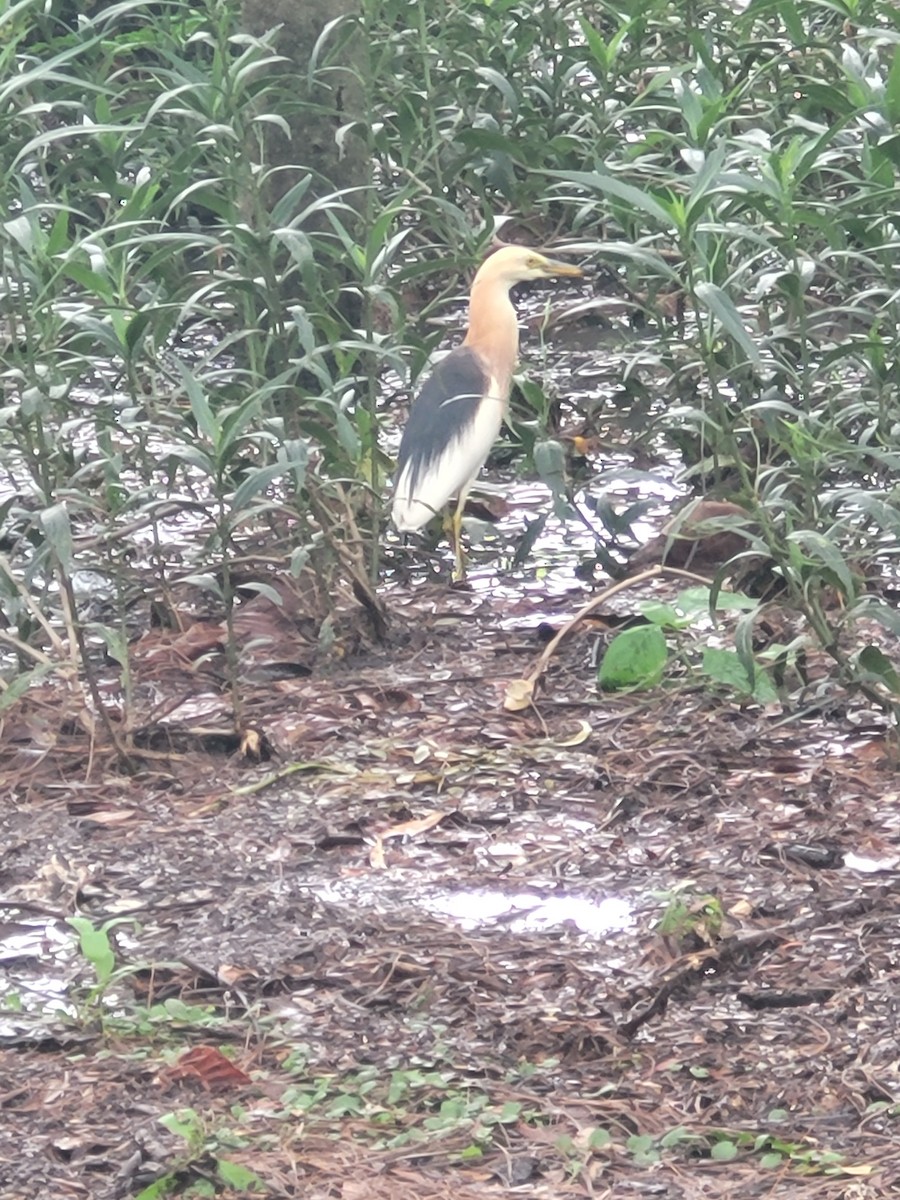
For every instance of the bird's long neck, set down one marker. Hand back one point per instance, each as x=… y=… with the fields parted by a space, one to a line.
x=493 y=331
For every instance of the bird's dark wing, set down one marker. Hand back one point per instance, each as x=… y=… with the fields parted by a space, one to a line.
x=446 y=405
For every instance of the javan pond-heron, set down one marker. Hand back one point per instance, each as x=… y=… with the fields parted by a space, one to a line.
x=456 y=417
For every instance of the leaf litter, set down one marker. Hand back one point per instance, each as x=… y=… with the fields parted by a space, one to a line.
x=415 y=944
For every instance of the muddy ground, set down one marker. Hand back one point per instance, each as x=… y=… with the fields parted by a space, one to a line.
x=627 y=945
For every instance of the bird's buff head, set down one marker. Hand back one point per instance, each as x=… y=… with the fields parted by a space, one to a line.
x=515 y=264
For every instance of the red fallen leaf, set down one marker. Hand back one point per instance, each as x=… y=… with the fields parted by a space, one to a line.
x=208 y=1066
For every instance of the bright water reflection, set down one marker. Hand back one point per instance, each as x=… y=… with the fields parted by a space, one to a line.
x=529 y=912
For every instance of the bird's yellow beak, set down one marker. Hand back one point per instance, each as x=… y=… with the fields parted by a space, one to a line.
x=551 y=266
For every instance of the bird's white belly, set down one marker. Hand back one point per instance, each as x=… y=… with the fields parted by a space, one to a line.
x=454 y=471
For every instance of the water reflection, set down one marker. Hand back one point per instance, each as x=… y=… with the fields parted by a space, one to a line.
x=530 y=912
x=35 y=957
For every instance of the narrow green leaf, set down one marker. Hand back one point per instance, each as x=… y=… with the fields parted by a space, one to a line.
x=722 y=307
x=611 y=186
x=533 y=530
x=824 y=553
x=21 y=230
x=56 y=525
x=18 y=686
x=503 y=86
x=95 y=946
x=256 y=481
x=875 y=662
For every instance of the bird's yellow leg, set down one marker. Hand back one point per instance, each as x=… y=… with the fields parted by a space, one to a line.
x=453 y=528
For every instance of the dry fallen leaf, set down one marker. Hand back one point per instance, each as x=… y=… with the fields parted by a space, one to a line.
x=206 y=1065
x=519 y=695
x=417 y=825
x=376 y=855
x=577 y=739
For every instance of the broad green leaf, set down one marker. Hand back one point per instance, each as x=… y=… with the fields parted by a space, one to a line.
x=184 y=1123
x=696 y=600
x=239 y=1177
x=664 y=615
x=207 y=422
x=550 y=463
x=635 y=658
x=723 y=1151
x=599 y=1139
x=726 y=667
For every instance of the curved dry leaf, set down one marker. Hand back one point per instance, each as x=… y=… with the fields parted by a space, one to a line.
x=578 y=738
x=519 y=695
x=417 y=825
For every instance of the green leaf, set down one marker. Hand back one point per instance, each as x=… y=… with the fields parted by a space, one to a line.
x=770 y=1161
x=675 y=1137
x=533 y=530
x=19 y=685
x=722 y=307
x=184 y=1123
x=257 y=481
x=696 y=601
x=664 y=615
x=599 y=1139
x=95 y=947
x=724 y=1151
x=728 y=668
x=643 y=1147
x=503 y=86
x=823 y=552
x=875 y=662
x=160 y=1188
x=200 y=406
x=239 y=1177
x=55 y=522
x=635 y=658
x=207 y=583
x=21 y=230
x=611 y=186
x=550 y=463
x=596 y=44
